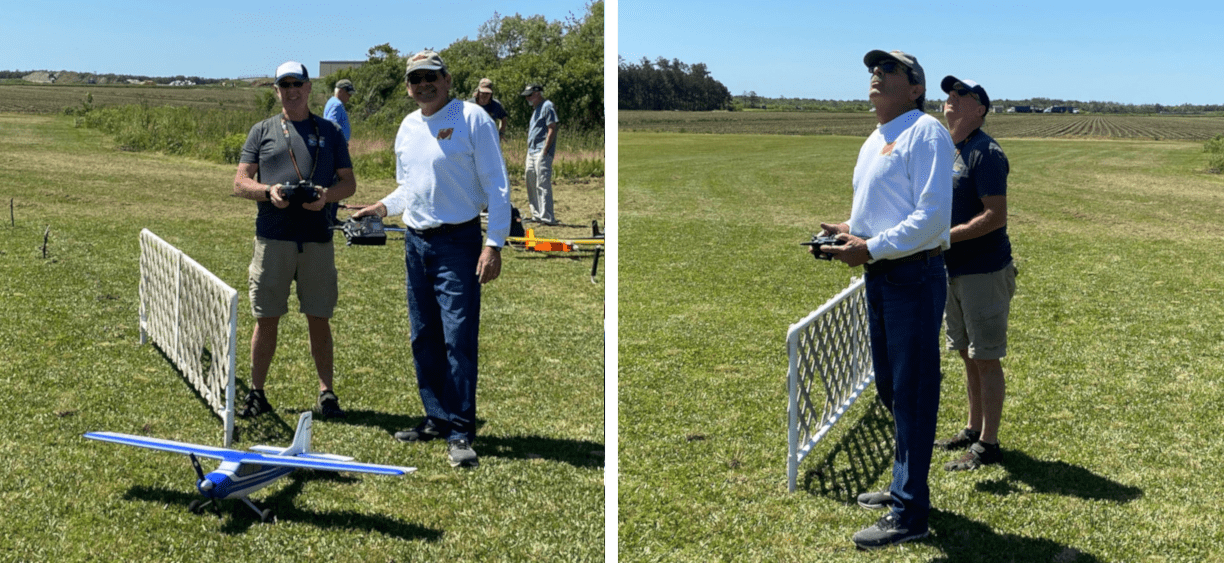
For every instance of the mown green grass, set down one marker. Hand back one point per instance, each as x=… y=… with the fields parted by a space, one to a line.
x=1114 y=372
x=72 y=364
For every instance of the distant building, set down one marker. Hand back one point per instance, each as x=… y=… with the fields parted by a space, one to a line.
x=996 y=109
x=328 y=67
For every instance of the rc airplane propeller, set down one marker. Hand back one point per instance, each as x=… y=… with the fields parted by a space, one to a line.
x=242 y=473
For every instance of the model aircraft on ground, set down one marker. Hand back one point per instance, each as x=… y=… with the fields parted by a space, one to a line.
x=242 y=473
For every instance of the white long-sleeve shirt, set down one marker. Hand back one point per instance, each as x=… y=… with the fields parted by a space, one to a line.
x=449 y=168
x=903 y=187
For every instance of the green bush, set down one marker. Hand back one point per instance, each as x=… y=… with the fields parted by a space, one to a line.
x=1215 y=154
x=230 y=148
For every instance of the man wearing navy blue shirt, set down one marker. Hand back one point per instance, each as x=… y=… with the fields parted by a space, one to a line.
x=981 y=276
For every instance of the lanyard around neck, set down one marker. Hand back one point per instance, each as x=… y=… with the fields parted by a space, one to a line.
x=288 y=141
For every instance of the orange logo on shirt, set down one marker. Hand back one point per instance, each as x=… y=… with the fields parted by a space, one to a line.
x=887 y=150
x=445 y=133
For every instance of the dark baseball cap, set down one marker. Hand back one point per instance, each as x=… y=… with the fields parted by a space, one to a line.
x=951 y=83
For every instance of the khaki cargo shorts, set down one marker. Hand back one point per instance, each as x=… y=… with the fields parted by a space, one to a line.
x=276 y=264
x=977 y=310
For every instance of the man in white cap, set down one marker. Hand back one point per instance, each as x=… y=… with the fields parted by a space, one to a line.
x=293 y=164
x=981 y=275
x=898 y=230
x=541 y=148
x=449 y=168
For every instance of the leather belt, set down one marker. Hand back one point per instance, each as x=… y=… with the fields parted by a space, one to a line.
x=884 y=266
x=443 y=229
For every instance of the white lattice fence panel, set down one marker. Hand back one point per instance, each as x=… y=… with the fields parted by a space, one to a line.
x=829 y=367
x=192 y=316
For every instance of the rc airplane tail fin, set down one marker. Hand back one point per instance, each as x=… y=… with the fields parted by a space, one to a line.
x=301 y=439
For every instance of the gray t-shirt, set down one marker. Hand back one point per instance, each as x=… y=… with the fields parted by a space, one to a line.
x=268 y=146
x=541 y=117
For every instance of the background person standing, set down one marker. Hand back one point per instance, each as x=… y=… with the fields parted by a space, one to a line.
x=541 y=147
x=334 y=109
x=483 y=97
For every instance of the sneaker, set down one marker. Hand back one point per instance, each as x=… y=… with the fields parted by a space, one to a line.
x=979 y=454
x=256 y=404
x=875 y=500
x=960 y=441
x=423 y=432
x=329 y=405
x=461 y=453
x=887 y=531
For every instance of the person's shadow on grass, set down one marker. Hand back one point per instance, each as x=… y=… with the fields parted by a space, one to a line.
x=963 y=539
x=1056 y=477
x=579 y=453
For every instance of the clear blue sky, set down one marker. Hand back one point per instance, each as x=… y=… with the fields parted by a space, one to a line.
x=1164 y=52
x=229 y=39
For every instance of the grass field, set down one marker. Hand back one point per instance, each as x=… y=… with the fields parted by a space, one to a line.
x=1153 y=127
x=52 y=98
x=1114 y=373
x=72 y=364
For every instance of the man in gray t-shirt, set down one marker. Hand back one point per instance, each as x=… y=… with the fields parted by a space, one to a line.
x=541 y=147
x=292 y=239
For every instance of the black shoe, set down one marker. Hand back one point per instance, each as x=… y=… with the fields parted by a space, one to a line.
x=979 y=454
x=878 y=500
x=461 y=453
x=888 y=531
x=423 y=432
x=256 y=404
x=329 y=405
x=960 y=441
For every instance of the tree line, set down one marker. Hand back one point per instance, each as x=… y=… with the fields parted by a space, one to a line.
x=565 y=57
x=669 y=85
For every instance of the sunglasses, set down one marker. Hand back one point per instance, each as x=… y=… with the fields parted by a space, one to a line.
x=418 y=77
x=967 y=92
x=886 y=67
x=287 y=85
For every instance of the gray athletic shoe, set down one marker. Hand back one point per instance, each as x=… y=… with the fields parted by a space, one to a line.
x=887 y=531
x=878 y=500
x=461 y=453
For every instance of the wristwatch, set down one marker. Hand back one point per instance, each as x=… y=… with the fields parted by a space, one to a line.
x=268 y=192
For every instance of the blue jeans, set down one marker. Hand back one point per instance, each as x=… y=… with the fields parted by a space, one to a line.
x=905 y=312
x=444 y=309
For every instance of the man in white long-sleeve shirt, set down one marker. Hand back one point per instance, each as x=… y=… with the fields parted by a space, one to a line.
x=898 y=229
x=449 y=168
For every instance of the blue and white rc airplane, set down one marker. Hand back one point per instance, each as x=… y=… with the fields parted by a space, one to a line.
x=242 y=473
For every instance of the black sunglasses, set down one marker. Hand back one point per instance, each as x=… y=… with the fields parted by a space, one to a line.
x=886 y=66
x=286 y=85
x=967 y=92
x=418 y=77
